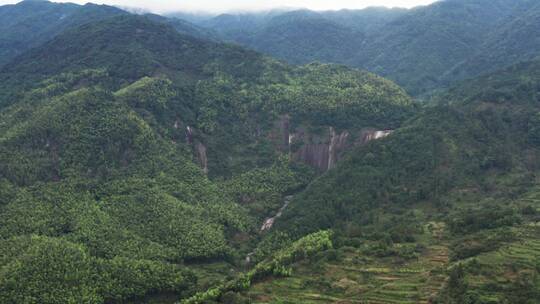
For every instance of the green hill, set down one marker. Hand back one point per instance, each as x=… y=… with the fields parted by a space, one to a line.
x=33 y=22
x=515 y=41
x=422 y=49
x=301 y=37
x=486 y=132
x=221 y=86
x=106 y=133
x=442 y=210
x=143 y=161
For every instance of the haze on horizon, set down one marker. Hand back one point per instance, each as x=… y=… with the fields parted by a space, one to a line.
x=213 y=6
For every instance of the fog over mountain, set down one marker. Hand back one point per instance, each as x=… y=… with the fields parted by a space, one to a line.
x=247 y=5
x=309 y=156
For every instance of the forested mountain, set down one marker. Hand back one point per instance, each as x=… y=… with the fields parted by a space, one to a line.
x=144 y=161
x=107 y=131
x=443 y=152
x=455 y=188
x=301 y=37
x=417 y=48
x=514 y=41
x=443 y=210
x=365 y=20
x=422 y=49
x=32 y=22
x=185 y=27
x=225 y=74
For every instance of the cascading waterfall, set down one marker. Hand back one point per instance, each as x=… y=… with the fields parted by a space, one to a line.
x=269 y=222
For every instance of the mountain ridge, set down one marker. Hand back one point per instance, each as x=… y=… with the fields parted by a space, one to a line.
x=391 y=45
x=140 y=156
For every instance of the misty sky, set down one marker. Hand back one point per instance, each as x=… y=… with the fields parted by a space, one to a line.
x=234 y=5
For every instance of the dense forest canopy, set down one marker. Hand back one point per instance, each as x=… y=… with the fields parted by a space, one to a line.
x=148 y=159
x=421 y=49
x=101 y=129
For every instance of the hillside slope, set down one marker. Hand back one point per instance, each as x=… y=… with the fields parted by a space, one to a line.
x=421 y=49
x=417 y=48
x=444 y=210
x=108 y=134
x=515 y=41
x=30 y=23
x=301 y=37
x=483 y=132
x=225 y=86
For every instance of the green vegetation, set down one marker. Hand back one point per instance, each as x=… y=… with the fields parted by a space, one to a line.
x=261 y=190
x=52 y=270
x=276 y=265
x=231 y=98
x=101 y=159
x=137 y=165
x=422 y=49
x=476 y=145
x=443 y=210
x=31 y=23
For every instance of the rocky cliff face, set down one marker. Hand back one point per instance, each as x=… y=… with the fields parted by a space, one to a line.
x=320 y=151
x=200 y=151
x=323 y=149
x=318 y=147
x=198 y=147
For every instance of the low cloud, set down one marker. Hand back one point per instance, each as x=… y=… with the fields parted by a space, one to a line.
x=217 y=6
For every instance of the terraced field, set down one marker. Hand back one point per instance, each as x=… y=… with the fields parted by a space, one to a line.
x=499 y=270
x=356 y=278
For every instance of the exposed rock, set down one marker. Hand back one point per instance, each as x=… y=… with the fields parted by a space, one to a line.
x=315 y=155
x=189 y=135
x=323 y=151
x=338 y=143
x=368 y=135
x=248 y=257
x=285 y=136
x=198 y=147
x=200 y=150
x=319 y=151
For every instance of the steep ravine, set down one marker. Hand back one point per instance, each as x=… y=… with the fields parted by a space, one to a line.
x=324 y=157
x=269 y=222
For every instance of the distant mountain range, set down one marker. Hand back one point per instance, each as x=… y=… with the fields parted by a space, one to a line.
x=422 y=49
x=31 y=23
x=148 y=159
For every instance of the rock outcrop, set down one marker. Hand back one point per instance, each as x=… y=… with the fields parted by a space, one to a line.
x=200 y=151
x=318 y=147
x=324 y=148
x=320 y=151
x=369 y=135
x=198 y=147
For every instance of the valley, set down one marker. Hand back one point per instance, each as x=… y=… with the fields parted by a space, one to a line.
x=373 y=156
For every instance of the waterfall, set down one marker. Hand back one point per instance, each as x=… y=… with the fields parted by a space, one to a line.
x=269 y=222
